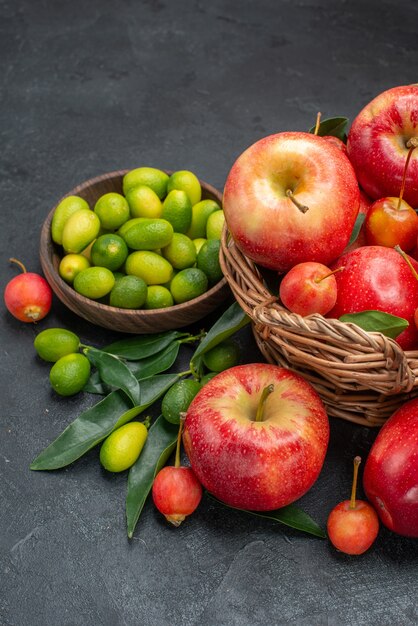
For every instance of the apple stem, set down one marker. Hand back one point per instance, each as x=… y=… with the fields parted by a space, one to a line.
x=302 y=207
x=177 y=462
x=19 y=263
x=318 y=121
x=339 y=269
x=411 y=144
x=356 y=462
x=264 y=395
x=406 y=258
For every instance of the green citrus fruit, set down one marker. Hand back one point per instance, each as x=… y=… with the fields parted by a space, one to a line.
x=188 y=284
x=122 y=447
x=70 y=265
x=177 y=209
x=198 y=243
x=63 y=211
x=207 y=377
x=158 y=297
x=200 y=215
x=143 y=233
x=180 y=252
x=79 y=230
x=129 y=292
x=109 y=251
x=53 y=343
x=208 y=260
x=222 y=356
x=149 y=266
x=178 y=398
x=112 y=210
x=144 y=202
x=148 y=176
x=215 y=224
x=186 y=181
x=70 y=374
x=94 y=282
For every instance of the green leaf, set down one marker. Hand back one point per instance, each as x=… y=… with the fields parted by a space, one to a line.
x=229 y=323
x=377 y=321
x=114 y=373
x=142 y=346
x=290 y=515
x=95 y=424
x=335 y=126
x=160 y=444
x=356 y=228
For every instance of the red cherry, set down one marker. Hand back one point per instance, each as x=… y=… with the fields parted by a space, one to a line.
x=353 y=525
x=176 y=492
x=28 y=297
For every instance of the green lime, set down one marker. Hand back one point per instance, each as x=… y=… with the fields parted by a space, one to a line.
x=94 y=282
x=144 y=233
x=70 y=265
x=222 y=356
x=208 y=260
x=180 y=252
x=215 y=224
x=158 y=297
x=200 y=215
x=53 y=343
x=188 y=284
x=207 y=377
x=70 y=374
x=122 y=447
x=177 y=209
x=148 y=176
x=129 y=292
x=186 y=181
x=149 y=266
x=109 y=251
x=178 y=398
x=79 y=230
x=144 y=202
x=198 y=243
x=112 y=210
x=63 y=211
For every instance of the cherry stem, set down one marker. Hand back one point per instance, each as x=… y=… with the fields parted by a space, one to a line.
x=178 y=446
x=264 y=395
x=406 y=258
x=356 y=462
x=302 y=207
x=318 y=121
x=411 y=144
x=339 y=269
x=19 y=263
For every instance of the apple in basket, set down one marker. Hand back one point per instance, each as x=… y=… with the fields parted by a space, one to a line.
x=289 y=198
x=390 y=476
x=256 y=436
x=379 y=141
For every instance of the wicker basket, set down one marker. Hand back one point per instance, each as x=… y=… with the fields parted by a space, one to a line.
x=361 y=376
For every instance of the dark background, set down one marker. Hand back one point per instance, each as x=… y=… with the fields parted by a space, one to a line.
x=90 y=87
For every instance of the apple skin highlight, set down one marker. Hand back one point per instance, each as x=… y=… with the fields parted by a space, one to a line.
x=253 y=465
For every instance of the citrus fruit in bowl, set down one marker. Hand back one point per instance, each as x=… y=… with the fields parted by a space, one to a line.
x=88 y=292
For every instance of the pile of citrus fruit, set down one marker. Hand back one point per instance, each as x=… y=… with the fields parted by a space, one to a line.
x=152 y=246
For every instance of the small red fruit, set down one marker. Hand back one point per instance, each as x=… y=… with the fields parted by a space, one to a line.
x=308 y=288
x=28 y=297
x=353 y=525
x=176 y=491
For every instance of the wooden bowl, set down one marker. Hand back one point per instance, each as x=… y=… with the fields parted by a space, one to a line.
x=124 y=320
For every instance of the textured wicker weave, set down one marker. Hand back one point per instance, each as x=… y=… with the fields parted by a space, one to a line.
x=361 y=376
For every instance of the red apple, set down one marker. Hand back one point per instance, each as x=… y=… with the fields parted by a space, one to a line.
x=377 y=144
x=378 y=278
x=309 y=288
x=338 y=143
x=256 y=436
x=390 y=222
x=289 y=198
x=390 y=476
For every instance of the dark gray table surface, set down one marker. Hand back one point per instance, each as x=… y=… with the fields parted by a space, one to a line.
x=91 y=87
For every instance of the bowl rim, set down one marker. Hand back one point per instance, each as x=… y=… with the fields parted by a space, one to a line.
x=48 y=249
